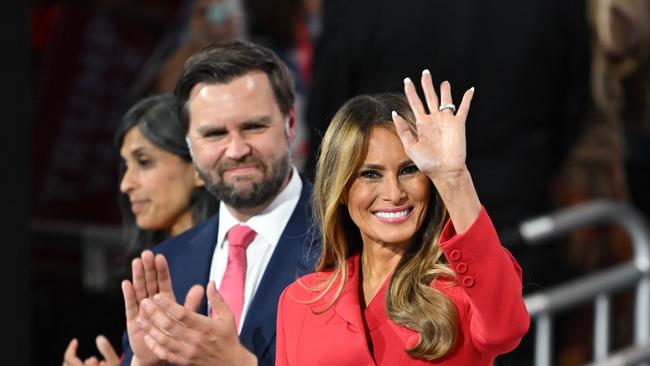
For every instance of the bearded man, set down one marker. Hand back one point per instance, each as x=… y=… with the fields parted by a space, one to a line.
x=237 y=103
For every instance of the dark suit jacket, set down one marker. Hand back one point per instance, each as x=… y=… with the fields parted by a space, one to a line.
x=190 y=255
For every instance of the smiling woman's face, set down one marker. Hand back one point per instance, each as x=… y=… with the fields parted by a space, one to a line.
x=159 y=185
x=389 y=197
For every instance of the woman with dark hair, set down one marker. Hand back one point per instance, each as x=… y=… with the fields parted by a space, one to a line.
x=411 y=270
x=161 y=192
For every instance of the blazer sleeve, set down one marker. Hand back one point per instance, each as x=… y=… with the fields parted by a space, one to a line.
x=490 y=282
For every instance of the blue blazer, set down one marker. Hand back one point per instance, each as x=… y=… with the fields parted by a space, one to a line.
x=190 y=255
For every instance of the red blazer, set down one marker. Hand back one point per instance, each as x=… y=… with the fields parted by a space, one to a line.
x=491 y=311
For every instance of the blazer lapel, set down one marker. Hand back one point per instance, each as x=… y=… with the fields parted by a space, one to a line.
x=196 y=269
x=348 y=305
x=293 y=257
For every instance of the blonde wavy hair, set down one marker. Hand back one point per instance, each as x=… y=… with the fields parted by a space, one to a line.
x=410 y=301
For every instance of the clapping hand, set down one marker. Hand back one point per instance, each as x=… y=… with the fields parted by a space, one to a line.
x=150 y=277
x=182 y=337
x=111 y=358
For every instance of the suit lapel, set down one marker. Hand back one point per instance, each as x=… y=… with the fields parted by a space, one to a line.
x=196 y=269
x=292 y=257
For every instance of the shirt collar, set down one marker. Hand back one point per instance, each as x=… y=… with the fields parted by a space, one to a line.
x=270 y=223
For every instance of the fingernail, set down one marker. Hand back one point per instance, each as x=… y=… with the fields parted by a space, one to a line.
x=425 y=71
x=394 y=114
x=472 y=89
x=407 y=80
x=101 y=339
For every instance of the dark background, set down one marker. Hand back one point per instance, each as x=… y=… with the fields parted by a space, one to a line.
x=16 y=157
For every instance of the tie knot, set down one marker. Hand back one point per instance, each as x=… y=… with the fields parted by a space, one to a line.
x=240 y=236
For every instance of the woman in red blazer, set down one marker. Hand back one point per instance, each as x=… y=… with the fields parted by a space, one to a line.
x=411 y=271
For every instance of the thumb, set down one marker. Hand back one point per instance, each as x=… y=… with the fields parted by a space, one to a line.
x=107 y=350
x=194 y=297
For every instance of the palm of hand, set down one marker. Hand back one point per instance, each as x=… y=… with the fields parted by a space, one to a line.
x=438 y=147
x=150 y=277
x=136 y=340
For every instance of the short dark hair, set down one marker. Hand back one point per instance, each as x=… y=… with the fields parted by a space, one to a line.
x=223 y=62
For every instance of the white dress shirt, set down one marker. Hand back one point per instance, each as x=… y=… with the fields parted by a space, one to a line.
x=269 y=225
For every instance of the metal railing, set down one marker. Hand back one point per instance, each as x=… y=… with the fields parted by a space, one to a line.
x=598 y=287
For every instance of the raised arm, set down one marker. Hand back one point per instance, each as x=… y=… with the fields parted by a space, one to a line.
x=439 y=148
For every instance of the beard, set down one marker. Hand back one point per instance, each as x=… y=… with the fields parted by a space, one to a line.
x=258 y=193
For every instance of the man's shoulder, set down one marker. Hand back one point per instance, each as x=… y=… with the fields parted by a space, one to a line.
x=205 y=229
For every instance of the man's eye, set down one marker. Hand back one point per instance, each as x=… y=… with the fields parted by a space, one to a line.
x=214 y=134
x=255 y=128
x=411 y=169
x=370 y=174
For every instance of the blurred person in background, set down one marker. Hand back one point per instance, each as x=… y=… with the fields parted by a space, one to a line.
x=162 y=194
x=210 y=21
x=607 y=160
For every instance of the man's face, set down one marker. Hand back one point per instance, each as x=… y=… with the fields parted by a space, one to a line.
x=239 y=141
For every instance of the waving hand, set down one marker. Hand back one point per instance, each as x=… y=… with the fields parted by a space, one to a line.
x=438 y=147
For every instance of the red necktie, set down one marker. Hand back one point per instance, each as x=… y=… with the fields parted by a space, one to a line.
x=232 y=284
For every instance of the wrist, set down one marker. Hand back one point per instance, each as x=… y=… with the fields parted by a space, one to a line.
x=245 y=357
x=460 y=198
x=452 y=181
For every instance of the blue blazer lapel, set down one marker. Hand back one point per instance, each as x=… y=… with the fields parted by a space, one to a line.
x=293 y=256
x=195 y=262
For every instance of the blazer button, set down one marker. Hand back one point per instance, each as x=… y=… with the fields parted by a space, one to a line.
x=455 y=255
x=468 y=281
x=461 y=268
